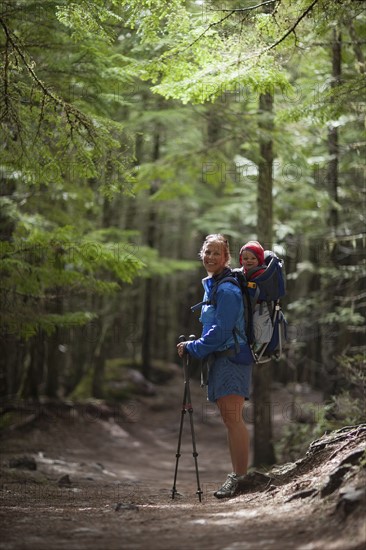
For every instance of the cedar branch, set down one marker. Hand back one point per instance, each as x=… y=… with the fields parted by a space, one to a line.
x=214 y=24
x=268 y=48
x=250 y=8
x=70 y=110
x=291 y=30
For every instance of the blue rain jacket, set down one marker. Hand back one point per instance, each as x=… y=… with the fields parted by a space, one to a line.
x=219 y=321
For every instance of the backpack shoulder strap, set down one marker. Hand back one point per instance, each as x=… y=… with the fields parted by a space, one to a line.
x=228 y=279
x=212 y=300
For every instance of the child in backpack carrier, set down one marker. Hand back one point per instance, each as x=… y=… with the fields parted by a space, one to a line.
x=251 y=258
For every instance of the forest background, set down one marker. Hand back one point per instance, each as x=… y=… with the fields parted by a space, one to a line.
x=131 y=130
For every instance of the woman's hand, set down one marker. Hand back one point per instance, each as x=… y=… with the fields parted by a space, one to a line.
x=181 y=348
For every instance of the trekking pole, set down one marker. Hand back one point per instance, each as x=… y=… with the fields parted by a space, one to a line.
x=186 y=406
x=174 y=490
x=199 y=492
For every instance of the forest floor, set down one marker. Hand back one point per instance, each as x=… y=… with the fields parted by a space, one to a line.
x=95 y=476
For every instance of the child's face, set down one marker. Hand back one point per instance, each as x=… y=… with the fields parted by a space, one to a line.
x=249 y=260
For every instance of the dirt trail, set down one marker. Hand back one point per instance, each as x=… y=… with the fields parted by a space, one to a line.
x=103 y=479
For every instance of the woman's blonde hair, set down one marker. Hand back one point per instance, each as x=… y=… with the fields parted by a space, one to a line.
x=216 y=238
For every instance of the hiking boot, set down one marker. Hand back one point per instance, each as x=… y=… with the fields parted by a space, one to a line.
x=230 y=488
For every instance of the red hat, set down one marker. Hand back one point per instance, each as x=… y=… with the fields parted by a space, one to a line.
x=256 y=249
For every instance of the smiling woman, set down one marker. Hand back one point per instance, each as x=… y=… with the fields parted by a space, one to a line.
x=223 y=347
x=215 y=254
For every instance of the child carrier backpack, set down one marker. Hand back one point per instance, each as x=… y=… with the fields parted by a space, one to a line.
x=265 y=324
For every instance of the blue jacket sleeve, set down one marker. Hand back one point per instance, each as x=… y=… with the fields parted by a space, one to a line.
x=218 y=334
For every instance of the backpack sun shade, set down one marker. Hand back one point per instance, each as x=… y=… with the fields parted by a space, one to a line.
x=265 y=324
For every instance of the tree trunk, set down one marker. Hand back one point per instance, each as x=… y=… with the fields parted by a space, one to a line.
x=54 y=358
x=147 y=328
x=99 y=357
x=33 y=368
x=265 y=178
x=330 y=332
x=333 y=147
x=52 y=363
x=357 y=48
x=263 y=439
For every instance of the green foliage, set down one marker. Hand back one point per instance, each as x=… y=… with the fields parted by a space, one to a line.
x=89 y=19
x=38 y=269
x=210 y=49
x=354 y=384
x=346 y=408
x=297 y=436
x=139 y=123
x=342 y=410
x=57 y=128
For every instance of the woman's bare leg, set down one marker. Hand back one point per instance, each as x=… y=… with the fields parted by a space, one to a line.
x=231 y=410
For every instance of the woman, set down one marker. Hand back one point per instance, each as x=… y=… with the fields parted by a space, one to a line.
x=230 y=366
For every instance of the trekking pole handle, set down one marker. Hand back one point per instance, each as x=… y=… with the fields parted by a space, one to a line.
x=181 y=345
x=191 y=337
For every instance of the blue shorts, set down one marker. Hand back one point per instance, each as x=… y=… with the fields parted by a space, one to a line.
x=228 y=378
